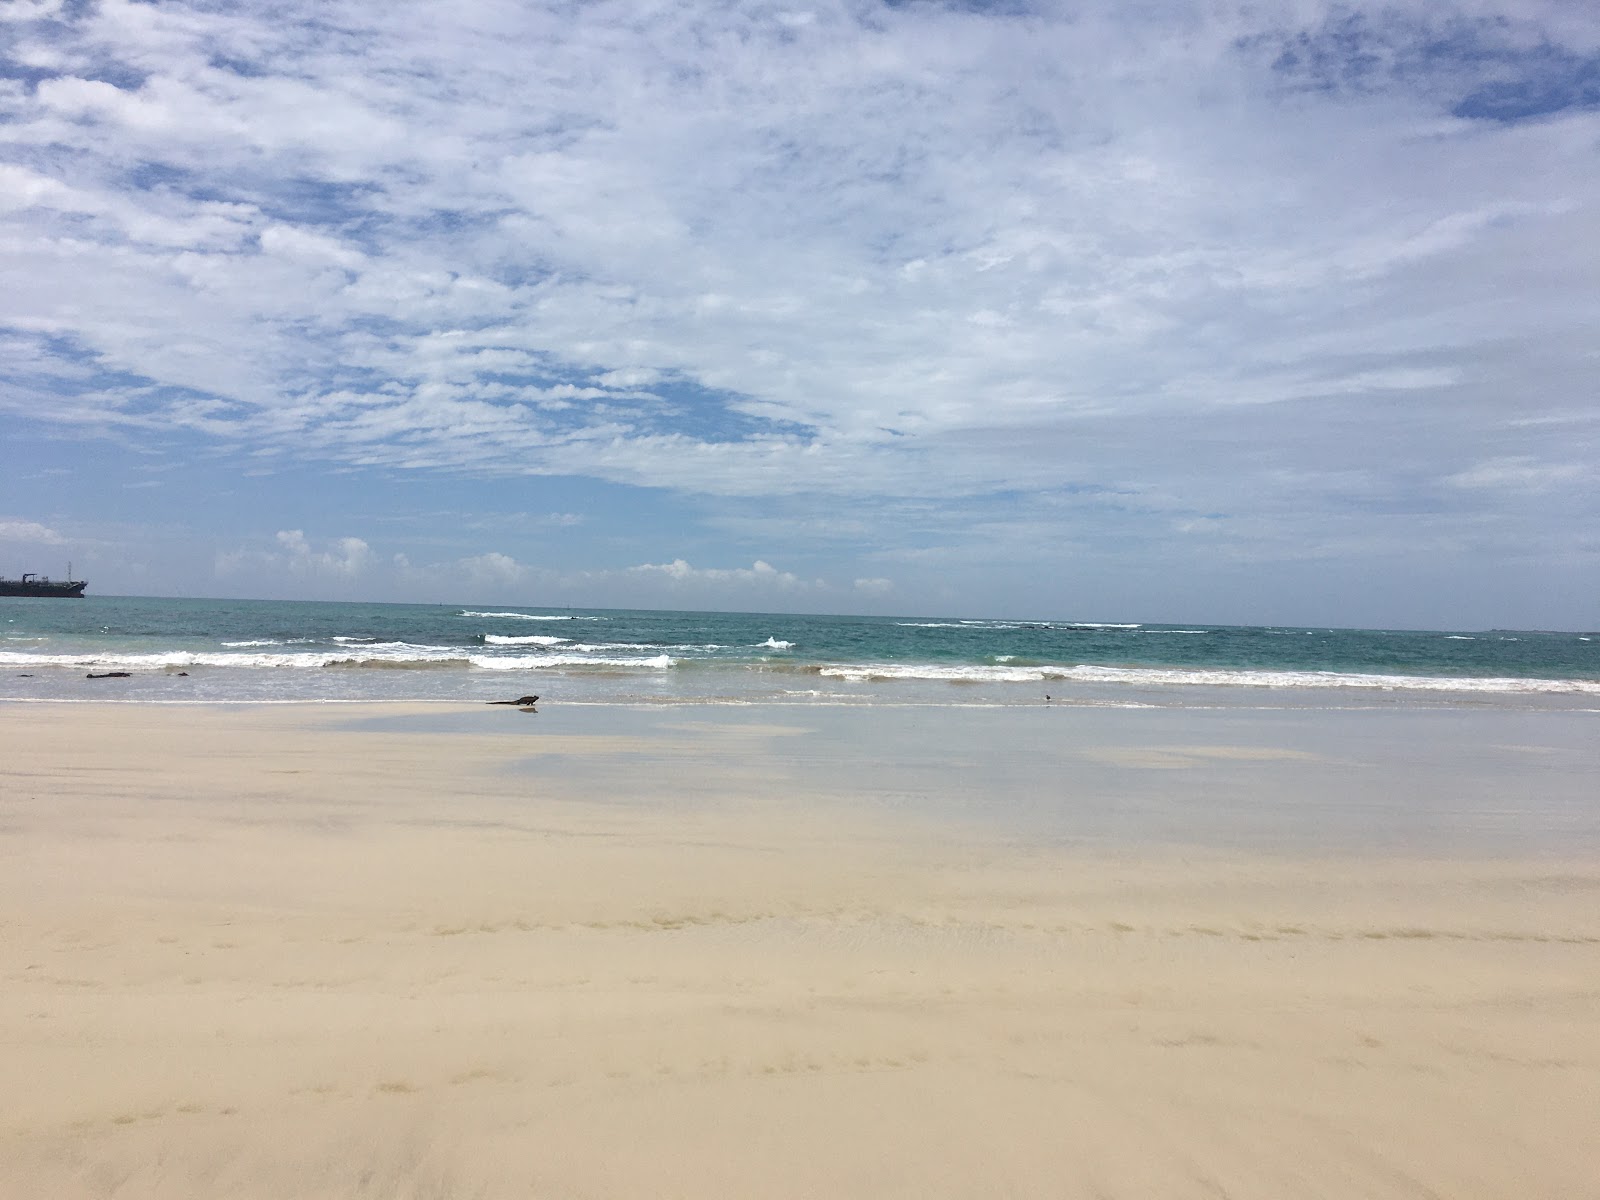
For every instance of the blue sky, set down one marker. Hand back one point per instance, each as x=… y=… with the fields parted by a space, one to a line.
x=1103 y=311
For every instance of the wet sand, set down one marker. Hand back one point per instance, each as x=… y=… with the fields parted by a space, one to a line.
x=336 y=952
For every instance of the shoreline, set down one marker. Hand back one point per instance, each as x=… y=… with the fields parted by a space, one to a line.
x=1170 y=697
x=309 y=951
x=1414 y=780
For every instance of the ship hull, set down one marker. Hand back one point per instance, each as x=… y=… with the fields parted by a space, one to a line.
x=30 y=587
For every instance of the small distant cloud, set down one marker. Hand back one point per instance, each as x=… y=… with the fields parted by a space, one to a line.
x=492 y=569
x=630 y=377
x=347 y=556
x=874 y=587
x=344 y=558
x=36 y=10
x=479 y=576
x=1516 y=474
x=758 y=573
x=29 y=531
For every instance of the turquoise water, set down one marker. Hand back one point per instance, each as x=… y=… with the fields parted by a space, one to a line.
x=247 y=650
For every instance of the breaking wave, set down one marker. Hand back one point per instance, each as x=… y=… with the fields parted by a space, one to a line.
x=1158 y=677
x=410 y=657
x=517 y=616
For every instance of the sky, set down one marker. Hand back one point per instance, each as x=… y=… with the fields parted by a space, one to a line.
x=1110 y=310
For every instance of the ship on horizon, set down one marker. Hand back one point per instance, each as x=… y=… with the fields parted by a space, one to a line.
x=43 y=585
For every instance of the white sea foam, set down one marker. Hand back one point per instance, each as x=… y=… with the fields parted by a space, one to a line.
x=646 y=649
x=1174 y=631
x=639 y=647
x=1458 y=637
x=392 y=655
x=516 y=616
x=371 y=644
x=170 y=658
x=1099 y=625
x=967 y=625
x=1156 y=676
x=774 y=644
x=675 y=648
x=1004 y=669
x=659 y=662
x=1330 y=679
x=537 y=639
x=884 y=672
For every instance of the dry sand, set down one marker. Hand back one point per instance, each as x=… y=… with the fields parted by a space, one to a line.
x=252 y=953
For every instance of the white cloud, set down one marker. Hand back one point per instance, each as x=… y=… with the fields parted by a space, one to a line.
x=760 y=575
x=346 y=556
x=630 y=377
x=341 y=560
x=849 y=258
x=1519 y=474
x=29 y=532
x=492 y=570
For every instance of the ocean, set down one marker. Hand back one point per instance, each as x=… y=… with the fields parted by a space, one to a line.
x=259 y=651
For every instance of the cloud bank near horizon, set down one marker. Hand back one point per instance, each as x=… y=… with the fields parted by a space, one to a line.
x=1131 y=284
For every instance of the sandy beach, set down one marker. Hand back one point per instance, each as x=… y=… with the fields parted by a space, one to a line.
x=341 y=951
